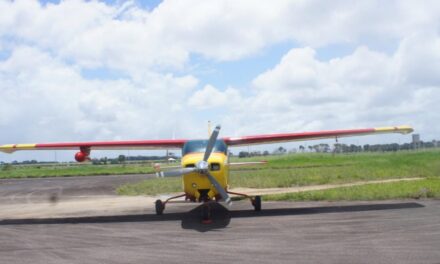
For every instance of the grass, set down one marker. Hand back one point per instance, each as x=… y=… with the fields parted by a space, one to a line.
x=427 y=188
x=286 y=171
x=39 y=171
x=152 y=187
x=313 y=169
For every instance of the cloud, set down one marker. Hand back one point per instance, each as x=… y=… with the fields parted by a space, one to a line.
x=129 y=38
x=419 y=58
x=365 y=88
x=149 y=83
x=210 y=97
x=46 y=100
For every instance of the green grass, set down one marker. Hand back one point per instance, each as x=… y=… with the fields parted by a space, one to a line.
x=41 y=171
x=427 y=188
x=313 y=169
x=152 y=187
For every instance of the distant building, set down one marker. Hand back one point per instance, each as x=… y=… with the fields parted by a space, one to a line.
x=416 y=138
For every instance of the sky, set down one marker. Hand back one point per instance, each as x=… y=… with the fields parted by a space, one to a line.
x=115 y=70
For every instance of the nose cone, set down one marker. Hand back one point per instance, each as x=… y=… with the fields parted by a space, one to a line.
x=202 y=165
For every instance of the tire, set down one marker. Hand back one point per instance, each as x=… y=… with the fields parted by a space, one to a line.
x=257 y=203
x=159 y=207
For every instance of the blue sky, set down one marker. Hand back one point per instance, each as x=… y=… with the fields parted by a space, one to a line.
x=112 y=70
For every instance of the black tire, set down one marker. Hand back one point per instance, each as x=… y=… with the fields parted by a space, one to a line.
x=257 y=203
x=159 y=207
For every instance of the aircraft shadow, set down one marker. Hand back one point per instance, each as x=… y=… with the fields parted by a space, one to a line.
x=220 y=215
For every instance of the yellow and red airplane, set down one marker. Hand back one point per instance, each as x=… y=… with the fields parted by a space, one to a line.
x=205 y=163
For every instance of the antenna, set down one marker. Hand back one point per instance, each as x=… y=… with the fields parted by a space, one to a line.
x=209 y=128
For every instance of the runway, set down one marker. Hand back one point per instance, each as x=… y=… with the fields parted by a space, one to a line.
x=284 y=232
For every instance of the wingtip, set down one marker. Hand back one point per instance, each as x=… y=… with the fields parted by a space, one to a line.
x=405 y=129
x=395 y=129
x=7 y=149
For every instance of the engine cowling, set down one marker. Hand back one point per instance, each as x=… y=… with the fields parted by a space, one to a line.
x=81 y=156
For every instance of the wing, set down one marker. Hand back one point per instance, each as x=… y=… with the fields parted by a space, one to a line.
x=303 y=136
x=103 y=145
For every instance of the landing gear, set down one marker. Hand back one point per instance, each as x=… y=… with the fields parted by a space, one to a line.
x=160 y=206
x=256 y=202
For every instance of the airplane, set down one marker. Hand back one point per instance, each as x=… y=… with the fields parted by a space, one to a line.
x=205 y=163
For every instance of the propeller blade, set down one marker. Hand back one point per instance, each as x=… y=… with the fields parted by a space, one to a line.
x=174 y=173
x=211 y=143
x=219 y=188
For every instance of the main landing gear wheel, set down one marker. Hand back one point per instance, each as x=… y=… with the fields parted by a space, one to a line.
x=256 y=202
x=160 y=206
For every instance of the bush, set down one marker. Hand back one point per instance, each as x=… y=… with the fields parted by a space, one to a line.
x=6 y=167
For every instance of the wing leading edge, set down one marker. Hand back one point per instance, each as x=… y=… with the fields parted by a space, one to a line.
x=303 y=136
x=103 y=145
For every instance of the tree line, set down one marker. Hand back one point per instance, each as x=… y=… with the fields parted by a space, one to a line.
x=344 y=148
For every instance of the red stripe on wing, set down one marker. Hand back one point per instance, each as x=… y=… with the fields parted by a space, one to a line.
x=272 y=138
x=137 y=144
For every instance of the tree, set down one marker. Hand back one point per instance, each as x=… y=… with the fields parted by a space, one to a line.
x=121 y=158
x=279 y=150
x=366 y=147
x=104 y=160
x=243 y=154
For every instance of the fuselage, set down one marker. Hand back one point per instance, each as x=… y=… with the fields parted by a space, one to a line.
x=197 y=187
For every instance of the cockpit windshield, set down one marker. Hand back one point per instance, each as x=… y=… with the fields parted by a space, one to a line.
x=200 y=146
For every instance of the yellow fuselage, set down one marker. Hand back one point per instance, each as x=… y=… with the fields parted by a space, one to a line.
x=196 y=185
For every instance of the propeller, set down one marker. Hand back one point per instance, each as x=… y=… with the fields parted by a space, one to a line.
x=202 y=167
x=174 y=173
x=211 y=143
x=219 y=188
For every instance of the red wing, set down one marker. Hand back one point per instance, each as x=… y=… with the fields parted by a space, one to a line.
x=133 y=144
x=303 y=136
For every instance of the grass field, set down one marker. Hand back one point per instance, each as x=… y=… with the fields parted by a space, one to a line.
x=427 y=188
x=315 y=169
x=39 y=171
x=287 y=171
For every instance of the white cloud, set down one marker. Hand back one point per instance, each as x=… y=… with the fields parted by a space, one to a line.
x=365 y=88
x=128 y=38
x=210 y=97
x=45 y=100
